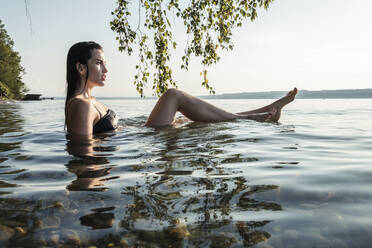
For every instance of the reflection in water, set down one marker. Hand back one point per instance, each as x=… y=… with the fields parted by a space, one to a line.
x=89 y=164
x=98 y=220
x=183 y=194
x=11 y=121
x=236 y=184
x=89 y=176
x=250 y=235
x=174 y=207
x=189 y=196
x=11 y=139
x=248 y=203
x=11 y=128
x=83 y=146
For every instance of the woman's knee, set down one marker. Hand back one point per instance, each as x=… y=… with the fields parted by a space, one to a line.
x=172 y=93
x=177 y=96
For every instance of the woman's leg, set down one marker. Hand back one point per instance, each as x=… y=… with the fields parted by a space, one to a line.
x=277 y=105
x=174 y=100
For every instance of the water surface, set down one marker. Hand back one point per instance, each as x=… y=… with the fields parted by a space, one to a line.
x=304 y=182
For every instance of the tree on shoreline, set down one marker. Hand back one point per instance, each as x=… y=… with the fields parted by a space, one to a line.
x=208 y=24
x=11 y=71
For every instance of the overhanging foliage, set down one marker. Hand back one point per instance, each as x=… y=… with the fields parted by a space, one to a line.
x=208 y=23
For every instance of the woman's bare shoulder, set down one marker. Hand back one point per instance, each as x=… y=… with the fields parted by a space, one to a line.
x=80 y=116
x=79 y=101
x=79 y=106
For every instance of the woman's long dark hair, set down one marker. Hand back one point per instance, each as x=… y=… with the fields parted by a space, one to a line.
x=80 y=52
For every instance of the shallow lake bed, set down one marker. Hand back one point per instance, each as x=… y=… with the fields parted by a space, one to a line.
x=304 y=182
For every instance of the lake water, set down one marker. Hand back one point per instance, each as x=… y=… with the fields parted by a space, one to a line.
x=304 y=182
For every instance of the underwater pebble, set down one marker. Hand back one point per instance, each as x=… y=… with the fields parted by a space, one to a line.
x=6 y=233
x=54 y=238
x=150 y=235
x=129 y=238
x=222 y=240
x=74 y=241
x=58 y=204
x=71 y=239
x=19 y=230
x=179 y=233
x=123 y=243
x=70 y=236
x=50 y=222
x=73 y=211
x=98 y=220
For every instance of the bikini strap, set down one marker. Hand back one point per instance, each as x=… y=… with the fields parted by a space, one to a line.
x=100 y=116
x=75 y=98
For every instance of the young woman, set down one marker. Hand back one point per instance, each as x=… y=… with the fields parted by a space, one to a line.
x=84 y=115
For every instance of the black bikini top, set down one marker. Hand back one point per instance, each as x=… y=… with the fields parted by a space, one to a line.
x=108 y=122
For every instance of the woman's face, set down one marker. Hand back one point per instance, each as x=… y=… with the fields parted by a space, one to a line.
x=97 y=68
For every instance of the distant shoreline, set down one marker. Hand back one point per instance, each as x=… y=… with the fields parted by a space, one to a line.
x=302 y=94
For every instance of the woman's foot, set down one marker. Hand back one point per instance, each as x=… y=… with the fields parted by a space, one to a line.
x=262 y=117
x=286 y=99
x=279 y=104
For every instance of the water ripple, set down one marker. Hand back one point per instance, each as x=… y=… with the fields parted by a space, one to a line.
x=303 y=181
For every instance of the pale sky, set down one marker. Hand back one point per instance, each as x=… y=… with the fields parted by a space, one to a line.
x=311 y=44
